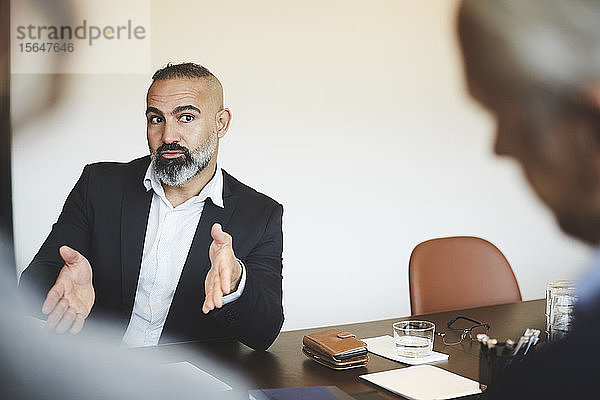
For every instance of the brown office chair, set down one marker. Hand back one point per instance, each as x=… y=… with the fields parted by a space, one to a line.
x=459 y=272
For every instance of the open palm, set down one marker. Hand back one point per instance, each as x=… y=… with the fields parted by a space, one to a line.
x=70 y=300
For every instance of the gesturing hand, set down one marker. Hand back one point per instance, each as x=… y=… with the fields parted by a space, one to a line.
x=225 y=271
x=70 y=300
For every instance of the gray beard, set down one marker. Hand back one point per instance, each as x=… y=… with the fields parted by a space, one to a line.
x=178 y=172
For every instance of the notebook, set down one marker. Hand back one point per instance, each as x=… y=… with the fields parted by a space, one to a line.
x=424 y=382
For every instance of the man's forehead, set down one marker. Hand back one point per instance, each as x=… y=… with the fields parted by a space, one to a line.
x=174 y=90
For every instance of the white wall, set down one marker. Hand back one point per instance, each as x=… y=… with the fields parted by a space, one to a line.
x=351 y=114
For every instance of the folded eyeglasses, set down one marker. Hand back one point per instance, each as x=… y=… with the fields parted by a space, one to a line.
x=454 y=336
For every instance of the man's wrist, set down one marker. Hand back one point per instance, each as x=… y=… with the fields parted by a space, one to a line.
x=235 y=285
x=237 y=292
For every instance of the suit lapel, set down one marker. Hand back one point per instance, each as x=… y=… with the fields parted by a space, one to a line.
x=189 y=294
x=134 y=220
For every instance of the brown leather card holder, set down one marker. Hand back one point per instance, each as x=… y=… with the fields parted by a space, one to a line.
x=335 y=349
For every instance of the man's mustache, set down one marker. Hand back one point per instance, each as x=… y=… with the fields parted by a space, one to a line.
x=173 y=147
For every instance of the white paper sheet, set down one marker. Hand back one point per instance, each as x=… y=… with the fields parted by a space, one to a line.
x=423 y=382
x=384 y=346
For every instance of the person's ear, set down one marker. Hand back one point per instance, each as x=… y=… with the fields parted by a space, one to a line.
x=592 y=104
x=592 y=99
x=592 y=94
x=223 y=119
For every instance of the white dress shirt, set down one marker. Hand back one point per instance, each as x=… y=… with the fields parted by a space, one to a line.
x=169 y=235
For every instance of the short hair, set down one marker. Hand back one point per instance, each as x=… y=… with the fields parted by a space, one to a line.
x=525 y=45
x=184 y=70
x=190 y=70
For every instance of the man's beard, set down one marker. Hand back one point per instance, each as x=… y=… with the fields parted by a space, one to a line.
x=177 y=171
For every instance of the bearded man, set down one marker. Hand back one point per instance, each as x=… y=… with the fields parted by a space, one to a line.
x=151 y=242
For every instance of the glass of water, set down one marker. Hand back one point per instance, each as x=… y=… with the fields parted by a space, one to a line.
x=413 y=339
x=560 y=304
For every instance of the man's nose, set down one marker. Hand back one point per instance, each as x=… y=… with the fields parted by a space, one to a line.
x=170 y=133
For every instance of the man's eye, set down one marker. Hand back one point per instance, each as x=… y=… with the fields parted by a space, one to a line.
x=155 y=119
x=186 y=118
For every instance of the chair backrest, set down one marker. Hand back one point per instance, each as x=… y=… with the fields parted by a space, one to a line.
x=459 y=272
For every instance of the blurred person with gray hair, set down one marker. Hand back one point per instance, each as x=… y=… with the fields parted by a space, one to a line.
x=535 y=66
x=39 y=365
x=169 y=245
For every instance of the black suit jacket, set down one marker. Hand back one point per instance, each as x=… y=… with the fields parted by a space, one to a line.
x=105 y=218
x=564 y=370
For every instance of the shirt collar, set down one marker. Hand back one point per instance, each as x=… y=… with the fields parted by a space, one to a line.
x=213 y=189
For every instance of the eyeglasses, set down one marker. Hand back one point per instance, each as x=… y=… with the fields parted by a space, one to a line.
x=454 y=336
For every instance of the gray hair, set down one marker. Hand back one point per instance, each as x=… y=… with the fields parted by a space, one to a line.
x=532 y=45
x=190 y=70
x=184 y=70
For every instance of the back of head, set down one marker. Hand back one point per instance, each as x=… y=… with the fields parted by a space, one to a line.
x=531 y=47
x=535 y=65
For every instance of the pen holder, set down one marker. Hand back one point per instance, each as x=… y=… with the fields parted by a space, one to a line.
x=493 y=364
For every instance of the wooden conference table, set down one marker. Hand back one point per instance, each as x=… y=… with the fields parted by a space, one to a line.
x=284 y=365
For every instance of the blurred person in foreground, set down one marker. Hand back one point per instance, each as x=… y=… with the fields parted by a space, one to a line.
x=39 y=365
x=535 y=66
x=170 y=245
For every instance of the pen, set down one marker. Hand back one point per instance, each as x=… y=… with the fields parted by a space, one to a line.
x=519 y=345
x=533 y=339
x=491 y=344
x=482 y=338
x=522 y=341
x=508 y=347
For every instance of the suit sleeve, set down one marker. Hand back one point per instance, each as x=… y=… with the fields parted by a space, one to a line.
x=255 y=319
x=72 y=229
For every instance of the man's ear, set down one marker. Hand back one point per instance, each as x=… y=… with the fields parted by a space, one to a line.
x=592 y=99
x=223 y=119
x=592 y=94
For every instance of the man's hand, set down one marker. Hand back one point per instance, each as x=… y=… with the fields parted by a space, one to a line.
x=225 y=271
x=70 y=300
